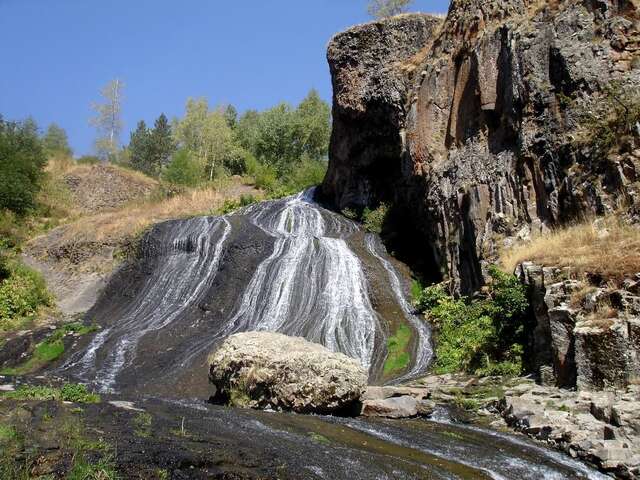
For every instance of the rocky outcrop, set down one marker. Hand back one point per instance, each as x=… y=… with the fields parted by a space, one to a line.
x=271 y=370
x=466 y=126
x=600 y=427
x=586 y=336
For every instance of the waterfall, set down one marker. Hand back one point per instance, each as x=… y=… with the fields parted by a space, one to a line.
x=310 y=283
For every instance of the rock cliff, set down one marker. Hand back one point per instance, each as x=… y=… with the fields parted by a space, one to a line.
x=467 y=125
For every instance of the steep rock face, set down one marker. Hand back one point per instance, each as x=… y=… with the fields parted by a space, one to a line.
x=586 y=337
x=482 y=150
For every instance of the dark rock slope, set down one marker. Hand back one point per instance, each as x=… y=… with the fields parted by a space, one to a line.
x=467 y=125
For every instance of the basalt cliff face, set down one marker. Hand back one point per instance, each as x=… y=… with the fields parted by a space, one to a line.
x=467 y=125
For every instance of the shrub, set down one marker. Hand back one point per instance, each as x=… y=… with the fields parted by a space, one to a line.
x=233 y=205
x=78 y=393
x=373 y=220
x=611 y=119
x=22 y=293
x=183 y=170
x=70 y=392
x=22 y=162
x=483 y=336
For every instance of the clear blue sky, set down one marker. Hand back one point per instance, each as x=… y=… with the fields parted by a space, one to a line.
x=57 y=54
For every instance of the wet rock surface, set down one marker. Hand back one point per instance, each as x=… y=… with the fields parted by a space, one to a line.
x=271 y=370
x=154 y=438
x=467 y=127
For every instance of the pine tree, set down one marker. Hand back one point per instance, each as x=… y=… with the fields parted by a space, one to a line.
x=139 y=149
x=161 y=144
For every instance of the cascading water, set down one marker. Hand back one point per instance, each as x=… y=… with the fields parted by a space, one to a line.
x=311 y=284
x=289 y=266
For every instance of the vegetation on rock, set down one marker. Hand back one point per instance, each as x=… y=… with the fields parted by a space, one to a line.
x=484 y=335
x=387 y=8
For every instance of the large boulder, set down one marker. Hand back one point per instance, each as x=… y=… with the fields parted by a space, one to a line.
x=271 y=370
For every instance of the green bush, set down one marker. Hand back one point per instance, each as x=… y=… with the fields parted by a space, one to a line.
x=22 y=162
x=70 y=392
x=373 y=220
x=78 y=393
x=233 y=205
x=485 y=335
x=22 y=293
x=183 y=170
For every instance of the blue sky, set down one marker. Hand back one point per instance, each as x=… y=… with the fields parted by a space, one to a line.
x=57 y=54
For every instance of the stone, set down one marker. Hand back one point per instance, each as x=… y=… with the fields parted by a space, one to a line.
x=271 y=370
x=397 y=407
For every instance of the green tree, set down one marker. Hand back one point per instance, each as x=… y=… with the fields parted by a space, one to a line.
x=108 y=119
x=22 y=161
x=162 y=145
x=314 y=129
x=139 y=149
x=55 y=141
x=231 y=115
x=183 y=169
x=206 y=134
x=387 y=8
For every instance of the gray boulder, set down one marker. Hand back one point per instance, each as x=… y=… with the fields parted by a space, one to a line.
x=271 y=370
x=395 y=407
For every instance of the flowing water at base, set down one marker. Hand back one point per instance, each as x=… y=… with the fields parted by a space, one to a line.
x=294 y=267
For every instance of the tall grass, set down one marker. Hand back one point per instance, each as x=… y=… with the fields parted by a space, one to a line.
x=607 y=247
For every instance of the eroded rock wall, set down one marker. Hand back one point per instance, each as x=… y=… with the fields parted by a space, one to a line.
x=465 y=125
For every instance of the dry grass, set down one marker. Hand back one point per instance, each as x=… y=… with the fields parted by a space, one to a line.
x=134 y=218
x=606 y=247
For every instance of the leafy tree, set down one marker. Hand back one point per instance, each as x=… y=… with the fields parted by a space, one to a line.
x=183 y=169
x=314 y=128
x=206 y=134
x=108 y=119
x=387 y=8
x=283 y=136
x=248 y=129
x=22 y=161
x=55 y=141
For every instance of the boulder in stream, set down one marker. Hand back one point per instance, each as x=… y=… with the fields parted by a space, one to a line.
x=271 y=370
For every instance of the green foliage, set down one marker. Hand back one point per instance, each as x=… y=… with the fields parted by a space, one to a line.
x=83 y=469
x=150 y=150
x=78 y=393
x=55 y=141
x=483 y=335
x=373 y=220
x=611 y=120
x=70 y=392
x=387 y=8
x=49 y=349
x=22 y=293
x=22 y=162
x=183 y=170
x=397 y=351
x=233 y=205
